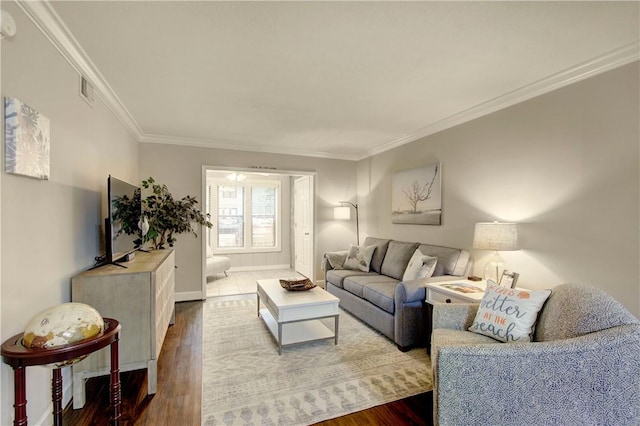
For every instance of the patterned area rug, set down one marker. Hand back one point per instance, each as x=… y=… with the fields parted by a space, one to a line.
x=245 y=381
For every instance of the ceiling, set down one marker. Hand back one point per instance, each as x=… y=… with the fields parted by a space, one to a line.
x=330 y=79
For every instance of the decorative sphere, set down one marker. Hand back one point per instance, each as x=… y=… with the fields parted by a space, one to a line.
x=62 y=325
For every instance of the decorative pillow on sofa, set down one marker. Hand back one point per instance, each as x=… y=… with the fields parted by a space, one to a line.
x=359 y=258
x=420 y=266
x=336 y=259
x=508 y=314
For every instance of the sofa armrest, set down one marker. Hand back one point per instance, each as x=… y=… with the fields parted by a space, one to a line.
x=410 y=313
x=326 y=265
x=590 y=379
x=411 y=291
x=455 y=316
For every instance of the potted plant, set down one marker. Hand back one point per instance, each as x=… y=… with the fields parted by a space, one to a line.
x=160 y=216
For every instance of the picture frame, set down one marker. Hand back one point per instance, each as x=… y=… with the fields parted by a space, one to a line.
x=27 y=140
x=509 y=279
x=416 y=196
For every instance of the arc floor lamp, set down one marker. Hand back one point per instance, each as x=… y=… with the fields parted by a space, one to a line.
x=344 y=213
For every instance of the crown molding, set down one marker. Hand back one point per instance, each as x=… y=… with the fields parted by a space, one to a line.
x=616 y=58
x=55 y=30
x=51 y=25
x=237 y=146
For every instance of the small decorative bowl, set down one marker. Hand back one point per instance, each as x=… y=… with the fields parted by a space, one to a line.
x=297 y=285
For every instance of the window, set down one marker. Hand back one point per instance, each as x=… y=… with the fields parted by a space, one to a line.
x=246 y=216
x=230 y=217
x=263 y=216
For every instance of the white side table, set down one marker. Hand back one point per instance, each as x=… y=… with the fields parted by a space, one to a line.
x=454 y=291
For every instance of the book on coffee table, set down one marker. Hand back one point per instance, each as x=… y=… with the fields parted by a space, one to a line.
x=463 y=288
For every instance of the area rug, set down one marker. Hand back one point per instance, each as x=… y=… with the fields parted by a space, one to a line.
x=245 y=381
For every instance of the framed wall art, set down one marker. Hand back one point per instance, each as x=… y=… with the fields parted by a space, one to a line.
x=27 y=140
x=416 y=196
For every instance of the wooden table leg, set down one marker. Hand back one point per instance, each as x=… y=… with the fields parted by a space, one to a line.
x=114 y=390
x=56 y=396
x=20 y=397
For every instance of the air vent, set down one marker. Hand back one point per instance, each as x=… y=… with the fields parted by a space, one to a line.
x=86 y=91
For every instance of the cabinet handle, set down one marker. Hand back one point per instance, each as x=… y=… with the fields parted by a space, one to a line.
x=448 y=301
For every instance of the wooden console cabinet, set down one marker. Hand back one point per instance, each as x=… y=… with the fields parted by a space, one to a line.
x=142 y=298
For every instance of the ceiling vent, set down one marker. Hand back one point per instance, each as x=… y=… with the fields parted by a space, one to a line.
x=86 y=91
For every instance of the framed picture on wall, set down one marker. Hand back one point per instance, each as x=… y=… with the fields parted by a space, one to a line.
x=27 y=140
x=416 y=197
x=509 y=279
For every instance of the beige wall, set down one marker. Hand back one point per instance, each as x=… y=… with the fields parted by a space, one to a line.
x=51 y=229
x=180 y=168
x=563 y=165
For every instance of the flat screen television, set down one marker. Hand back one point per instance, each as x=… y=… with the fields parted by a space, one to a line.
x=122 y=233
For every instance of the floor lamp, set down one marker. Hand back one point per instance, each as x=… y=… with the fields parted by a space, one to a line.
x=344 y=213
x=498 y=237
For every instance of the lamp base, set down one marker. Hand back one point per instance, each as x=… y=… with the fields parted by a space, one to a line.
x=494 y=268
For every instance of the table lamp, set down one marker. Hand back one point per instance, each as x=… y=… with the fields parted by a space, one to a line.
x=498 y=237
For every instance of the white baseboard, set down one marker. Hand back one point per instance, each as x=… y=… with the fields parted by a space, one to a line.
x=187 y=296
x=258 y=268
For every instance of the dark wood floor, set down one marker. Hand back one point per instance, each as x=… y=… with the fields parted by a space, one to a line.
x=178 y=400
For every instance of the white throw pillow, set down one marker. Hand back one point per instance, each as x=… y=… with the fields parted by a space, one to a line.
x=209 y=251
x=508 y=314
x=420 y=266
x=359 y=258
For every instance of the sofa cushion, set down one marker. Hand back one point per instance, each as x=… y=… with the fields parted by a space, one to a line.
x=337 y=276
x=508 y=314
x=451 y=261
x=359 y=258
x=356 y=284
x=420 y=266
x=574 y=310
x=381 y=295
x=378 y=255
x=398 y=255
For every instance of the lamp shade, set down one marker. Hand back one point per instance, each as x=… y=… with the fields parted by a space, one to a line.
x=342 y=213
x=496 y=236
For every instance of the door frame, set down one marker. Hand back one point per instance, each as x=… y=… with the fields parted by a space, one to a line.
x=203 y=194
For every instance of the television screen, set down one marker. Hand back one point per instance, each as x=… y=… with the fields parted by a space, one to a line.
x=122 y=228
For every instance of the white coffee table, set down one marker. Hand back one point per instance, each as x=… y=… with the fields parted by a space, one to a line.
x=293 y=316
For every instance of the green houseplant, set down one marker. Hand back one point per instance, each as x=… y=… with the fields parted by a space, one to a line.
x=162 y=215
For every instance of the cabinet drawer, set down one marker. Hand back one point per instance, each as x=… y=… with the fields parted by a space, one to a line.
x=435 y=296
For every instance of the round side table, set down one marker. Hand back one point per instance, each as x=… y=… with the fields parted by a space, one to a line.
x=19 y=357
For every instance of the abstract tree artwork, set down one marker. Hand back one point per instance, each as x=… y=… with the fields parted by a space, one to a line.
x=416 y=196
x=27 y=140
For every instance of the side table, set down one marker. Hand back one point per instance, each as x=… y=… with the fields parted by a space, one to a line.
x=454 y=291
x=19 y=357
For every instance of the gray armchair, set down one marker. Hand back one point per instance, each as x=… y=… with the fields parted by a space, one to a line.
x=582 y=368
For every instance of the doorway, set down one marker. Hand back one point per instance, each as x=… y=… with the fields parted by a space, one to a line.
x=263 y=222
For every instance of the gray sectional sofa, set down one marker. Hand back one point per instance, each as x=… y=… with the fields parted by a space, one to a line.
x=381 y=299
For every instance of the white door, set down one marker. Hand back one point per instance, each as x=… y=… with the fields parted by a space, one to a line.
x=303 y=225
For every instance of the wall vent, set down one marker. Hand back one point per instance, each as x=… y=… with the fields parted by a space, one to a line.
x=86 y=91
